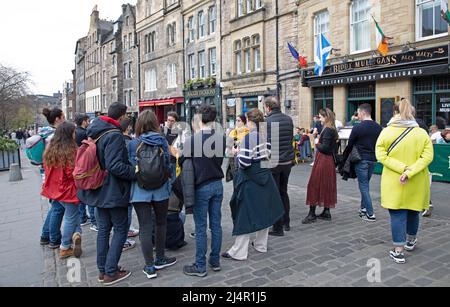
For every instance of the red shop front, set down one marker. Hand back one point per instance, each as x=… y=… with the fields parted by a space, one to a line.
x=163 y=106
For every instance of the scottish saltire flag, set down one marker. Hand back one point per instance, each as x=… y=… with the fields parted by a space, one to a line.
x=445 y=13
x=323 y=50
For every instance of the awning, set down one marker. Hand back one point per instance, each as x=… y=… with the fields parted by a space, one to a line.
x=161 y=102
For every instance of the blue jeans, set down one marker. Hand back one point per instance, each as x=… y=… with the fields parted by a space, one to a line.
x=83 y=215
x=130 y=216
x=52 y=225
x=305 y=150
x=71 y=224
x=108 y=255
x=404 y=222
x=364 y=171
x=208 y=201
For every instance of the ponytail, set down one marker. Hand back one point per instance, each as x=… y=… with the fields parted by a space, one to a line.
x=404 y=109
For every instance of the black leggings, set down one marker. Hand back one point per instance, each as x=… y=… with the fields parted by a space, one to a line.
x=144 y=214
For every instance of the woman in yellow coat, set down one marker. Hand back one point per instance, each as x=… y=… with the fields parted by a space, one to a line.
x=405 y=183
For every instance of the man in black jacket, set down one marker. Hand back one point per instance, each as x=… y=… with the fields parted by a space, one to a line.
x=280 y=133
x=113 y=197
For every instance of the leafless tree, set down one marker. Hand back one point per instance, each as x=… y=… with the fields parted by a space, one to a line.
x=14 y=86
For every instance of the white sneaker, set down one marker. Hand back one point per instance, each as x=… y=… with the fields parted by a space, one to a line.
x=427 y=213
x=312 y=164
x=129 y=244
x=411 y=245
x=93 y=228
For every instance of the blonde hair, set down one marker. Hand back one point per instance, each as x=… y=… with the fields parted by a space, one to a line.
x=404 y=109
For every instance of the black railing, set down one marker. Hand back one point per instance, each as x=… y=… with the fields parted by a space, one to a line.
x=8 y=158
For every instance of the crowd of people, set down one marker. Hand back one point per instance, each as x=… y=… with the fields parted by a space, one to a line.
x=166 y=173
x=20 y=135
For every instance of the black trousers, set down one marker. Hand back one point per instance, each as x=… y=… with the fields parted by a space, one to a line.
x=281 y=175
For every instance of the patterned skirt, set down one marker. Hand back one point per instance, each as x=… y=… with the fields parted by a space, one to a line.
x=322 y=190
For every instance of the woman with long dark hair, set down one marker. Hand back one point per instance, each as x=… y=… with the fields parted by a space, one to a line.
x=59 y=185
x=322 y=183
x=148 y=132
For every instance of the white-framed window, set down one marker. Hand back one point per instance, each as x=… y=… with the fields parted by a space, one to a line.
x=201 y=65
x=104 y=101
x=104 y=77
x=127 y=21
x=191 y=64
x=249 y=6
x=130 y=75
x=201 y=24
x=429 y=22
x=238 y=57
x=170 y=2
x=125 y=71
x=191 y=28
x=212 y=62
x=212 y=15
x=130 y=98
x=114 y=86
x=153 y=41
x=125 y=97
x=171 y=76
x=321 y=26
x=256 y=46
x=240 y=8
x=247 y=56
x=258 y=4
x=148 y=5
x=150 y=80
x=130 y=40
x=360 y=26
x=171 y=28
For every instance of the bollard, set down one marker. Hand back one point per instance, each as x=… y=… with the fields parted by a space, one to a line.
x=15 y=173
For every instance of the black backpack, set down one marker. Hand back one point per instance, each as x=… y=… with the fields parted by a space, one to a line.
x=152 y=172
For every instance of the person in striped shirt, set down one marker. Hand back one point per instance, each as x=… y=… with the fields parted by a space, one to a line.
x=256 y=204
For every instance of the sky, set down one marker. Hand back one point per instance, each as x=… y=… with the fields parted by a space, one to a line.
x=39 y=36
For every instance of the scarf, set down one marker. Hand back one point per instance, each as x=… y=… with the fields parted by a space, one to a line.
x=396 y=121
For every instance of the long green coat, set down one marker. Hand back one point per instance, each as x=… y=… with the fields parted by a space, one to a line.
x=414 y=153
x=256 y=203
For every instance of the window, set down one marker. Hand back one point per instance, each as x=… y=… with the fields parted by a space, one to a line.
x=114 y=86
x=104 y=53
x=321 y=26
x=249 y=6
x=147 y=8
x=150 y=80
x=212 y=61
x=125 y=97
x=171 y=76
x=258 y=4
x=125 y=42
x=191 y=66
x=240 y=8
x=171 y=34
x=170 y=2
x=125 y=70
x=191 y=29
x=130 y=97
x=429 y=20
x=238 y=57
x=127 y=21
x=152 y=41
x=201 y=24
x=104 y=77
x=256 y=45
x=130 y=40
x=201 y=64
x=247 y=56
x=360 y=25
x=431 y=99
x=104 y=101
x=323 y=98
x=212 y=15
x=129 y=70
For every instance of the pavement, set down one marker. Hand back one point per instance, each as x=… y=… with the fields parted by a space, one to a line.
x=342 y=253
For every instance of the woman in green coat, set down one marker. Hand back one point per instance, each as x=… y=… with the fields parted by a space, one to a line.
x=256 y=204
x=405 y=150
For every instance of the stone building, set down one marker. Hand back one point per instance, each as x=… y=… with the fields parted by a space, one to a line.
x=255 y=58
x=417 y=66
x=80 y=89
x=159 y=27
x=130 y=63
x=98 y=31
x=202 y=50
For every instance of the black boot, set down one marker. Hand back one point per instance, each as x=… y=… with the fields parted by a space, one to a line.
x=326 y=215
x=311 y=218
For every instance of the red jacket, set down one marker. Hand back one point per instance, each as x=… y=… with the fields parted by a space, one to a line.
x=59 y=185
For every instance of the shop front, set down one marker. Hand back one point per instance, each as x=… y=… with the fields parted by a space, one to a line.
x=421 y=75
x=163 y=106
x=196 y=97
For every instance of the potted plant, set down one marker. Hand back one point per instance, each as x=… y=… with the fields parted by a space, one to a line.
x=188 y=85
x=9 y=153
x=198 y=83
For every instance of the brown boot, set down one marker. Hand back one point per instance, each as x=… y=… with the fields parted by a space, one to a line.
x=76 y=238
x=120 y=275
x=66 y=253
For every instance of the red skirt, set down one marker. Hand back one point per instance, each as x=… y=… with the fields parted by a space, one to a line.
x=322 y=183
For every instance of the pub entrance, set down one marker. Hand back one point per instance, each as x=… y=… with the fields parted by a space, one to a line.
x=359 y=94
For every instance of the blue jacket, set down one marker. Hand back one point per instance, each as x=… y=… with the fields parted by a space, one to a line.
x=139 y=195
x=113 y=156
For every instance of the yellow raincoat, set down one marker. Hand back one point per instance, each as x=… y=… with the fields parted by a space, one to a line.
x=413 y=154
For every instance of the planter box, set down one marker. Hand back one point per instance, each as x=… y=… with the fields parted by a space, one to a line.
x=8 y=158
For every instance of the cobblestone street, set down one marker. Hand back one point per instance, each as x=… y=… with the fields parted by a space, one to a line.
x=323 y=254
